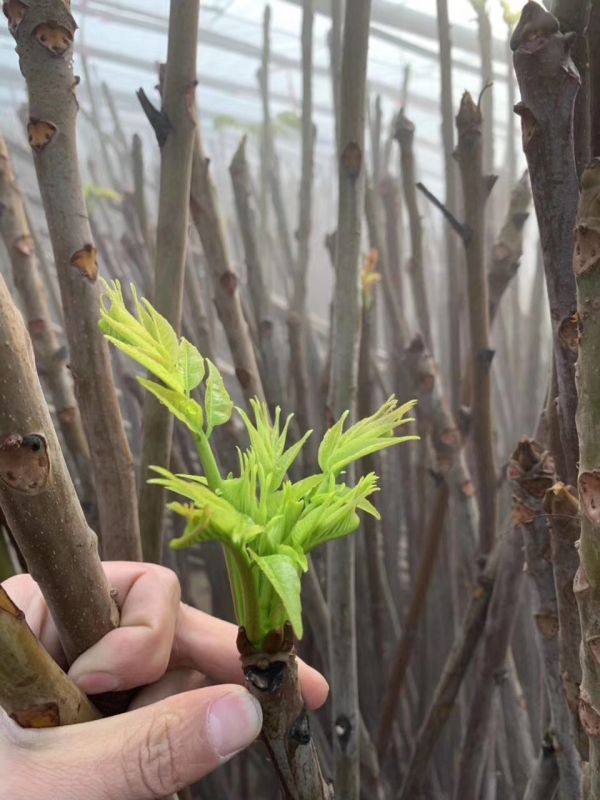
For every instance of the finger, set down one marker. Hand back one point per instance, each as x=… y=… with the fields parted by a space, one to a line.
x=151 y=752
x=175 y=681
x=137 y=652
x=209 y=644
x=27 y=596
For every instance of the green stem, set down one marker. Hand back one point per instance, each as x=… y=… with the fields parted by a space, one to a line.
x=209 y=462
x=249 y=595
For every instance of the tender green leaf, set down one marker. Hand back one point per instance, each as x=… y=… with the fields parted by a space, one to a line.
x=190 y=366
x=182 y=407
x=146 y=361
x=282 y=574
x=218 y=405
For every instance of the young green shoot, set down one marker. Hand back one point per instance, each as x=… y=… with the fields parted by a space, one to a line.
x=266 y=523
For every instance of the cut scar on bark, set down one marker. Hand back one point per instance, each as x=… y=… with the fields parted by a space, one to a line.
x=24 y=463
x=40 y=132
x=568 y=332
x=589 y=494
x=589 y=718
x=14 y=11
x=547 y=625
x=587 y=249
x=528 y=124
x=351 y=160
x=86 y=261
x=46 y=715
x=53 y=37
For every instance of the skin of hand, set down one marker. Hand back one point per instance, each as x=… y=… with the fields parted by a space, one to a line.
x=176 y=731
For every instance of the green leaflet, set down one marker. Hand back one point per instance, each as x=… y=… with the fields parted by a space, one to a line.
x=266 y=523
x=185 y=409
x=282 y=574
x=217 y=402
x=190 y=366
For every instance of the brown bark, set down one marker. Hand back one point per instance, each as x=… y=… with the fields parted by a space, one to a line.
x=404 y=133
x=573 y=16
x=451 y=678
x=175 y=128
x=586 y=265
x=549 y=83
x=345 y=332
x=508 y=247
x=405 y=646
x=34 y=690
x=50 y=362
x=531 y=471
x=456 y=295
x=44 y=36
x=297 y=319
x=498 y=631
x=272 y=677
x=257 y=279
x=544 y=779
x=39 y=500
x=593 y=36
x=207 y=219
x=476 y=189
x=562 y=508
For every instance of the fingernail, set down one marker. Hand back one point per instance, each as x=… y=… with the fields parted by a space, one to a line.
x=234 y=722
x=96 y=682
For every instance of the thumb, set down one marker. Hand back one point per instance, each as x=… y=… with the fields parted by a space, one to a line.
x=153 y=751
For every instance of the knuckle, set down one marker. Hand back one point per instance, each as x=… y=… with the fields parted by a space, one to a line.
x=169 y=580
x=152 y=767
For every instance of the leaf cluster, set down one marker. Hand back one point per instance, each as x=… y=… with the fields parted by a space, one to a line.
x=267 y=524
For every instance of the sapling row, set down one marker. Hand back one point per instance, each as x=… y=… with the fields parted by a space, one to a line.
x=267 y=524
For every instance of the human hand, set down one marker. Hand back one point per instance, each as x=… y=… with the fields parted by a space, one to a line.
x=175 y=732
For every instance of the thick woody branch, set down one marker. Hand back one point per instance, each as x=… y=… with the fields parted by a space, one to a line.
x=586 y=266
x=531 y=471
x=549 y=83
x=34 y=690
x=51 y=365
x=476 y=189
x=39 y=500
x=272 y=677
x=259 y=292
x=178 y=107
x=452 y=676
x=44 y=36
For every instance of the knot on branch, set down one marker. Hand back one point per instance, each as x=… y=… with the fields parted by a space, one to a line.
x=351 y=160
x=589 y=495
x=535 y=25
x=40 y=133
x=531 y=469
x=403 y=129
x=343 y=730
x=86 y=261
x=24 y=463
x=300 y=731
x=14 y=11
x=54 y=37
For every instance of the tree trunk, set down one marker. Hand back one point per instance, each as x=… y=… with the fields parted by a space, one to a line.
x=39 y=500
x=451 y=678
x=175 y=127
x=549 y=83
x=44 y=38
x=586 y=264
x=51 y=364
x=257 y=278
x=344 y=366
x=476 y=189
x=532 y=473
x=34 y=690
x=499 y=627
